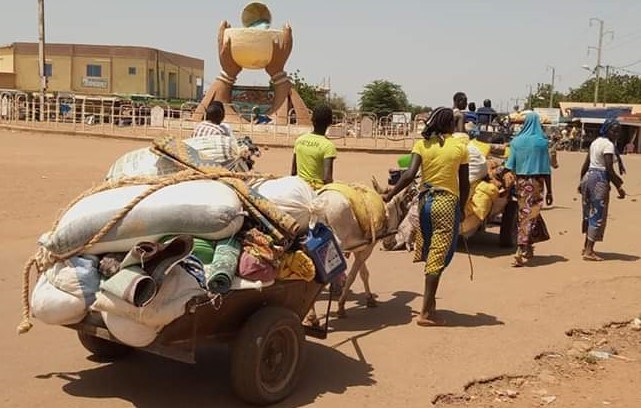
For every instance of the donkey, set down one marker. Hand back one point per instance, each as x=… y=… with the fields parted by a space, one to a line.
x=338 y=215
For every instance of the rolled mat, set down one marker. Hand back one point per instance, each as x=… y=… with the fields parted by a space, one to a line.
x=220 y=273
x=132 y=285
x=203 y=249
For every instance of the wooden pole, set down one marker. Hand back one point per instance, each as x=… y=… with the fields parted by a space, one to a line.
x=41 y=57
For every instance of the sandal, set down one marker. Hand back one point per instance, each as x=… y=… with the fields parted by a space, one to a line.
x=519 y=259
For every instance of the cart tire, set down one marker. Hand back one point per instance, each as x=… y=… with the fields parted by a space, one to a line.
x=267 y=356
x=103 y=349
x=509 y=225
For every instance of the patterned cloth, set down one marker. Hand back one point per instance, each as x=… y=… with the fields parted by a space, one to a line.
x=595 y=190
x=439 y=217
x=206 y=128
x=531 y=227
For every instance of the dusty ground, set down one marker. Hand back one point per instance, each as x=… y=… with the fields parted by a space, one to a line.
x=498 y=323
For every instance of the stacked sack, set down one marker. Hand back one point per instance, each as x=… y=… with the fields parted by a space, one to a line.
x=186 y=239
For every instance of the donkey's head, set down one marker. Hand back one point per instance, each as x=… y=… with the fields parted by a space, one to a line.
x=397 y=208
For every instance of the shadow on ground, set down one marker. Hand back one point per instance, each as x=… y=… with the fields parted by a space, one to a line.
x=148 y=381
x=544 y=260
x=613 y=256
x=394 y=312
x=486 y=244
x=455 y=319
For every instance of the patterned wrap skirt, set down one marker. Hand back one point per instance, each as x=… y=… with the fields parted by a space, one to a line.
x=439 y=219
x=531 y=227
x=595 y=191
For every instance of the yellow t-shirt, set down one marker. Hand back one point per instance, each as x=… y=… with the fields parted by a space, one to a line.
x=440 y=164
x=311 y=150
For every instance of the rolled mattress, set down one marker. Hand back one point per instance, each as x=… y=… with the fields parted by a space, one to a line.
x=205 y=209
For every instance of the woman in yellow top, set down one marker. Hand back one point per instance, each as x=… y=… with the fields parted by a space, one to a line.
x=443 y=161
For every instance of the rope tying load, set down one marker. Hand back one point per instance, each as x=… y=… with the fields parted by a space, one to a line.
x=281 y=226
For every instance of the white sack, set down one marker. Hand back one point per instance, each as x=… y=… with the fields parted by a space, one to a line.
x=205 y=209
x=51 y=305
x=291 y=195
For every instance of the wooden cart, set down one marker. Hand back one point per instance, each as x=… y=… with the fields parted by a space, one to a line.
x=263 y=328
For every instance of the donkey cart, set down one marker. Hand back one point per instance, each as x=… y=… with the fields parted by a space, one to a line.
x=263 y=328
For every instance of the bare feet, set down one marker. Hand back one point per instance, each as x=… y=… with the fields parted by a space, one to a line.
x=371 y=301
x=429 y=321
x=593 y=257
x=312 y=321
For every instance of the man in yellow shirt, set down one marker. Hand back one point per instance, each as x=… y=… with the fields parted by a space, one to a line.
x=314 y=154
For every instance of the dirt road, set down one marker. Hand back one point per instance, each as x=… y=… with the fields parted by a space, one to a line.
x=375 y=357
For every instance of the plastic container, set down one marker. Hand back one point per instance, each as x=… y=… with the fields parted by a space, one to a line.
x=404 y=161
x=322 y=247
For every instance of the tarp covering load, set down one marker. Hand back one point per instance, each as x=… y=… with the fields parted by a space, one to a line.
x=138 y=249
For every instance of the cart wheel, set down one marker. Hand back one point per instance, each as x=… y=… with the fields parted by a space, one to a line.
x=509 y=225
x=103 y=349
x=267 y=356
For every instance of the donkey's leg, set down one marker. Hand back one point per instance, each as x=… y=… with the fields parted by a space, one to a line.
x=364 y=274
x=371 y=297
x=351 y=276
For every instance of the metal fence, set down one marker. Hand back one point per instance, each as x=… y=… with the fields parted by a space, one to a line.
x=121 y=117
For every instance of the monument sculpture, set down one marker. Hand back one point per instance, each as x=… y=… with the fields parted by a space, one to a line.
x=255 y=46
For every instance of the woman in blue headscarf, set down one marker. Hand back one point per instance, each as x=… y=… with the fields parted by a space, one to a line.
x=530 y=161
x=596 y=175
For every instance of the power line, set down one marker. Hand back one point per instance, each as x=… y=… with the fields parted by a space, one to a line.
x=631 y=64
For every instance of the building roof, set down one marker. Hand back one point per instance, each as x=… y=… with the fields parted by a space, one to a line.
x=87 y=50
x=566 y=106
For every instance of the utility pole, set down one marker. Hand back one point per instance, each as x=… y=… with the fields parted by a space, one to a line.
x=598 y=50
x=516 y=103
x=529 y=97
x=553 y=69
x=606 y=85
x=41 y=57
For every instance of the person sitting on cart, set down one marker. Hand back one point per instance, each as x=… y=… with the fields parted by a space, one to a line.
x=212 y=125
x=234 y=156
x=486 y=114
x=314 y=153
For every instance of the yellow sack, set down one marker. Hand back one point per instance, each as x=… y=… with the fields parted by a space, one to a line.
x=296 y=266
x=484 y=195
x=367 y=205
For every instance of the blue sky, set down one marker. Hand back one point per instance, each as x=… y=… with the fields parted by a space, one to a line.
x=487 y=48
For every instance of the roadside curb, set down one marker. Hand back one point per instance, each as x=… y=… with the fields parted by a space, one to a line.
x=267 y=144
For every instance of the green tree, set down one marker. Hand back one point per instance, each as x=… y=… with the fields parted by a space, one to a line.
x=382 y=98
x=541 y=98
x=416 y=109
x=309 y=93
x=616 y=89
x=337 y=103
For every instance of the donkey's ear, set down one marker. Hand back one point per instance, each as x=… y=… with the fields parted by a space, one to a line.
x=377 y=186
